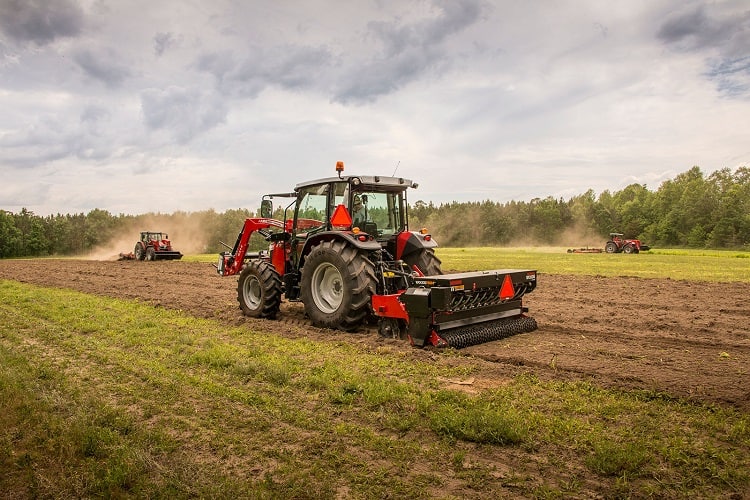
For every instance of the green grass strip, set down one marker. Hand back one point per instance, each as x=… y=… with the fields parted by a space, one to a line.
x=692 y=265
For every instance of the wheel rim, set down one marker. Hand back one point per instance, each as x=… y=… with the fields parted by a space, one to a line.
x=389 y=328
x=251 y=291
x=328 y=288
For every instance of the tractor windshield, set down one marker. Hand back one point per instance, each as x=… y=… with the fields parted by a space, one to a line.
x=376 y=210
x=377 y=213
x=312 y=207
x=145 y=237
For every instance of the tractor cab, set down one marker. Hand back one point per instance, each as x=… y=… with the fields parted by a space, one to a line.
x=373 y=204
x=369 y=211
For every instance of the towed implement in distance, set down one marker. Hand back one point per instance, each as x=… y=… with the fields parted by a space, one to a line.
x=346 y=252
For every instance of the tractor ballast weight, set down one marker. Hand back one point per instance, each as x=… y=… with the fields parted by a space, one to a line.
x=154 y=245
x=346 y=252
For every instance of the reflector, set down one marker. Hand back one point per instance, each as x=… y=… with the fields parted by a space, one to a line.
x=341 y=217
x=507 y=291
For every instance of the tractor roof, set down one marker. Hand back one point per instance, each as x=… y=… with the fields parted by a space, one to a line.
x=394 y=183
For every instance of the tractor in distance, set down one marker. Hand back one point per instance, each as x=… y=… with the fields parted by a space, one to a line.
x=618 y=244
x=154 y=245
x=344 y=249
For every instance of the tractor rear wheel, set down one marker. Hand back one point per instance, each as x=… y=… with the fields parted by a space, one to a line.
x=337 y=285
x=259 y=290
x=426 y=261
x=611 y=247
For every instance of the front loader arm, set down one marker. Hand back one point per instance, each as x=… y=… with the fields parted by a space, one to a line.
x=230 y=263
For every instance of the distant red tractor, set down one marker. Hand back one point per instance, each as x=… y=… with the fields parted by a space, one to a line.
x=155 y=246
x=618 y=244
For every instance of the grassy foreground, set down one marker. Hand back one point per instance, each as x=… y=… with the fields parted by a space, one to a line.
x=103 y=397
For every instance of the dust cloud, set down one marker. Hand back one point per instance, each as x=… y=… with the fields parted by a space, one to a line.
x=187 y=233
x=193 y=234
x=470 y=231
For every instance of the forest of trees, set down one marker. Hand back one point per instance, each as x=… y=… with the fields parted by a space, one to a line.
x=691 y=210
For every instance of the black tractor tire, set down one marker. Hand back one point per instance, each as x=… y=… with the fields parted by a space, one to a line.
x=150 y=254
x=629 y=249
x=259 y=290
x=426 y=261
x=611 y=247
x=337 y=284
x=139 y=251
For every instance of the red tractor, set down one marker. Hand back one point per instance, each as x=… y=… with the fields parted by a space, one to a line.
x=344 y=249
x=617 y=244
x=155 y=246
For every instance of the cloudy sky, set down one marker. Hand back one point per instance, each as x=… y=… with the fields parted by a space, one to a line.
x=156 y=106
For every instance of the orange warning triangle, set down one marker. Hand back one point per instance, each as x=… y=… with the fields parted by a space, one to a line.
x=341 y=217
x=507 y=291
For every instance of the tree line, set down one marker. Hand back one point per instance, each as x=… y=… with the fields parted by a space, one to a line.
x=691 y=210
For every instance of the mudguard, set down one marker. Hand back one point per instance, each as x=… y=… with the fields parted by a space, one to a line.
x=409 y=242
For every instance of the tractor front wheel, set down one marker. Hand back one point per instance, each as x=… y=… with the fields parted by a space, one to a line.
x=150 y=254
x=337 y=285
x=629 y=249
x=426 y=261
x=259 y=290
x=139 y=251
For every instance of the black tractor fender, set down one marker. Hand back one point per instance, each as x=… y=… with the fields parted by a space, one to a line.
x=410 y=242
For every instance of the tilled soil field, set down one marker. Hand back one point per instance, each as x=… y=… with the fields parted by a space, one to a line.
x=682 y=339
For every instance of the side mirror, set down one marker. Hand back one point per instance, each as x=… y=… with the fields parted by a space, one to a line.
x=266 y=208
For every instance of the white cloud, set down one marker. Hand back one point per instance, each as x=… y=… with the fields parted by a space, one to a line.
x=141 y=106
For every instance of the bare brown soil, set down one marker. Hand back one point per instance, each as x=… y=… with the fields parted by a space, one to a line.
x=683 y=339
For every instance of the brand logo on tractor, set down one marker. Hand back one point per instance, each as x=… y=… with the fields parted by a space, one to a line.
x=424 y=282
